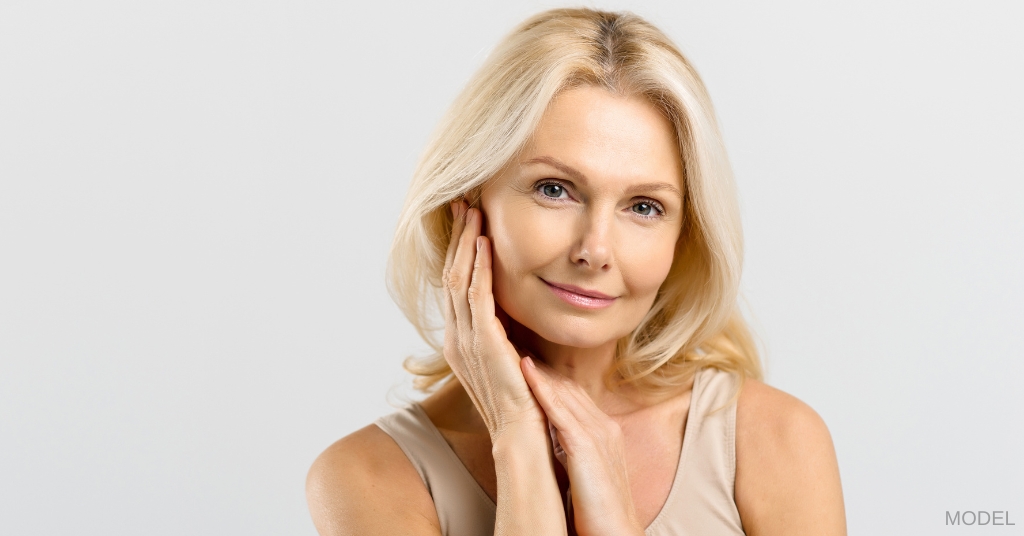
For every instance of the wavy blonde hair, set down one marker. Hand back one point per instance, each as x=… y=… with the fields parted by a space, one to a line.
x=694 y=321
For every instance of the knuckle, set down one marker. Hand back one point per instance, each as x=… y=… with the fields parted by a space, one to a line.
x=473 y=294
x=558 y=400
x=454 y=280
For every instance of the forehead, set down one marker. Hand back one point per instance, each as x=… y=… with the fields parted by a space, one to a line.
x=609 y=138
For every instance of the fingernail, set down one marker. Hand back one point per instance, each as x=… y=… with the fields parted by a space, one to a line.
x=479 y=242
x=529 y=362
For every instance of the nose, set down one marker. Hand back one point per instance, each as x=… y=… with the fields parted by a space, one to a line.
x=593 y=248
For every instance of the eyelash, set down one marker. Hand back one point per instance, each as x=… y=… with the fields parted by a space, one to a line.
x=538 y=188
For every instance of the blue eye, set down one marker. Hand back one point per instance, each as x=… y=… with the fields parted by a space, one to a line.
x=648 y=208
x=552 y=190
x=643 y=209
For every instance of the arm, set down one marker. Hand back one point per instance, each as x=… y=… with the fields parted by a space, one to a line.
x=488 y=367
x=364 y=485
x=590 y=446
x=787 y=476
x=524 y=465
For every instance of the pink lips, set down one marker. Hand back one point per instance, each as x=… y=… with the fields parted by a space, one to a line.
x=581 y=297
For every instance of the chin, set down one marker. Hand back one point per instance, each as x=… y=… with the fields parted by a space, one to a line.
x=558 y=327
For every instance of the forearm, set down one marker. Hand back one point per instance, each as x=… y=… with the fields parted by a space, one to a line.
x=529 y=501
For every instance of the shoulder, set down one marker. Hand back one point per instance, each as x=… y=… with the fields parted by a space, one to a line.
x=365 y=484
x=776 y=418
x=787 y=475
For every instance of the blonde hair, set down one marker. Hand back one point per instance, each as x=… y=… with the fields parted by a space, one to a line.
x=694 y=321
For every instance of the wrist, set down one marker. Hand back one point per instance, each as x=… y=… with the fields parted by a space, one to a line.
x=520 y=438
x=529 y=501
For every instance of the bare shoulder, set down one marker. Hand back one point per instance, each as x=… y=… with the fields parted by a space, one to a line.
x=364 y=484
x=787 y=475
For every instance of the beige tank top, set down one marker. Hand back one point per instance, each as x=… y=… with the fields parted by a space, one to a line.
x=700 y=502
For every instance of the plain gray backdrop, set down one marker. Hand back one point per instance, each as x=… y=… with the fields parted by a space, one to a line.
x=197 y=198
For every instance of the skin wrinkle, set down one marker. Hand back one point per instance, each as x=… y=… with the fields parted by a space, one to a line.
x=591 y=233
x=576 y=175
x=495 y=415
x=609 y=152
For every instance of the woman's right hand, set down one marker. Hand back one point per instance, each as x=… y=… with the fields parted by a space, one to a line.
x=475 y=343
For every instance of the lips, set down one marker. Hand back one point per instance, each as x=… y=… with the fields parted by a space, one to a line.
x=580 y=297
x=581 y=291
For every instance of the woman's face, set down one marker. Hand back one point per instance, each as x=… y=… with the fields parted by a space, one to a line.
x=584 y=223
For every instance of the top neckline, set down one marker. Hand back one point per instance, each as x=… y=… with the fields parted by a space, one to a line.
x=687 y=440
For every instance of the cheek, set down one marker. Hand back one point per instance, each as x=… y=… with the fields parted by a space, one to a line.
x=522 y=242
x=646 y=263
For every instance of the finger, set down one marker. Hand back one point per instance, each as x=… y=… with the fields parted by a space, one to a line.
x=556 y=446
x=584 y=411
x=458 y=223
x=461 y=270
x=553 y=402
x=481 y=301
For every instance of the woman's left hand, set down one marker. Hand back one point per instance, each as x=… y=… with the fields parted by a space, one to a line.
x=591 y=447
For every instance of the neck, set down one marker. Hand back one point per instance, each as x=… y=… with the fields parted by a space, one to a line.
x=587 y=367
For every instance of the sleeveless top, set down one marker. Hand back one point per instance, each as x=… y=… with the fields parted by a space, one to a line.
x=700 y=502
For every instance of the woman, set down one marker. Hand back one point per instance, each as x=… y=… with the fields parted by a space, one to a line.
x=575 y=223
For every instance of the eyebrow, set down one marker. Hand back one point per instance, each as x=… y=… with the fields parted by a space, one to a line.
x=575 y=174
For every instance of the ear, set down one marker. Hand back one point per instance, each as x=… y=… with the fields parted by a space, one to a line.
x=472 y=196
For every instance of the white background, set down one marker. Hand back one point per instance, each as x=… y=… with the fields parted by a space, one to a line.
x=196 y=201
